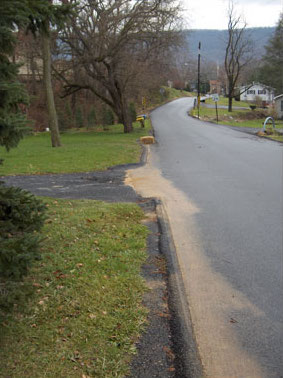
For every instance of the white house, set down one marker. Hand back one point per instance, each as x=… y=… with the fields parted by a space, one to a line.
x=278 y=101
x=256 y=90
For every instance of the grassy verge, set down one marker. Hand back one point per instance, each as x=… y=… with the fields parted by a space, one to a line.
x=169 y=94
x=240 y=118
x=82 y=151
x=279 y=138
x=223 y=101
x=173 y=93
x=78 y=312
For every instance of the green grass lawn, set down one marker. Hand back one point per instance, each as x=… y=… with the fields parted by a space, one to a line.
x=234 y=118
x=78 y=313
x=81 y=151
x=177 y=93
x=279 y=138
x=157 y=99
x=223 y=101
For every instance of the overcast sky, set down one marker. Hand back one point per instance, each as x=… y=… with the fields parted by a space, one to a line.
x=212 y=14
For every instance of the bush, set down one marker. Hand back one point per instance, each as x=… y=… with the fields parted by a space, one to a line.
x=79 y=118
x=107 y=117
x=65 y=118
x=21 y=217
x=91 y=118
x=62 y=122
x=132 y=111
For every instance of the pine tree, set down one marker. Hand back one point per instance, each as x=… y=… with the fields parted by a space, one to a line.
x=21 y=214
x=13 y=97
x=33 y=15
x=271 y=72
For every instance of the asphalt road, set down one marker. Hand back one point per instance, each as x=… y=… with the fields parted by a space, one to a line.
x=224 y=202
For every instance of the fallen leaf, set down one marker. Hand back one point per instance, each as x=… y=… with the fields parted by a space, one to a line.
x=61 y=276
x=233 y=320
x=169 y=353
x=163 y=315
x=35 y=284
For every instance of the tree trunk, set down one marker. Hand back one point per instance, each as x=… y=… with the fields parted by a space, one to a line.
x=52 y=114
x=33 y=74
x=127 y=122
x=230 y=101
x=230 y=93
x=121 y=109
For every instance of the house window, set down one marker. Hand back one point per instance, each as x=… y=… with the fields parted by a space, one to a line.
x=261 y=91
x=251 y=91
x=281 y=105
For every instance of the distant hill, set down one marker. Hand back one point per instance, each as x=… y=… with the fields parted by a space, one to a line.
x=213 y=42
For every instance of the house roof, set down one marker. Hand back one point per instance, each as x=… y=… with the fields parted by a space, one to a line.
x=277 y=97
x=252 y=84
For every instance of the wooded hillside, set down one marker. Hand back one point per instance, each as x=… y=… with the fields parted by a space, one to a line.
x=213 y=42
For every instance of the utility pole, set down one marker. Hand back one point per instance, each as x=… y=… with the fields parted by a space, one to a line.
x=199 y=47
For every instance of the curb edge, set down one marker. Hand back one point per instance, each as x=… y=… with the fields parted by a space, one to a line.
x=188 y=362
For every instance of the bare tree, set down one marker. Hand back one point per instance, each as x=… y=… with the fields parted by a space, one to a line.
x=47 y=79
x=112 y=44
x=45 y=14
x=238 y=51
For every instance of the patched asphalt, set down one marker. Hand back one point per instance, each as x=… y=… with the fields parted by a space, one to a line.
x=105 y=186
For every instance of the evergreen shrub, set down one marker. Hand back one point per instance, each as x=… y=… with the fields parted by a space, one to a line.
x=107 y=117
x=91 y=118
x=132 y=111
x=79 y=118
x=21 y=217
